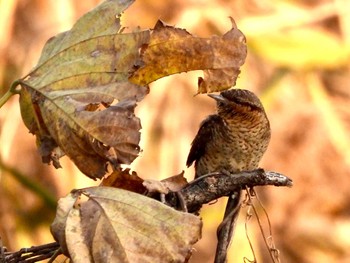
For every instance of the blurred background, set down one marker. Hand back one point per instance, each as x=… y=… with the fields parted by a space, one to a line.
x=298 y=64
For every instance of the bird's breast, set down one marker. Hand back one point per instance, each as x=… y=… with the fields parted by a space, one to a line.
x=240 y=147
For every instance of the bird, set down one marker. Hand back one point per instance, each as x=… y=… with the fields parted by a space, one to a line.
x=230 y=141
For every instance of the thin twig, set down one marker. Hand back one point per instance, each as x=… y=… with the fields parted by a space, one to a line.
x=55 y=255
x=183 y=205
x=261 y=229
x=5 y=97
x=2 y=252
x=32 y=254
x=248 y=217
x=271 y=244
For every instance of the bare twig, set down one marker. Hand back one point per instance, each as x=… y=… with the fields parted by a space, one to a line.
x=268 y=240
x=55 y=255
x=2 y=252
x=32 y=254
x=273 y=252
x=248 y=217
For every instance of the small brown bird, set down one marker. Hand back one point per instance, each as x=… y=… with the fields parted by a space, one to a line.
x=232 y=140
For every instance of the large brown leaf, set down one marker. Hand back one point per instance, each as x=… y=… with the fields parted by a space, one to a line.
x=173 y=50
x=78 y=101
x=115 y=225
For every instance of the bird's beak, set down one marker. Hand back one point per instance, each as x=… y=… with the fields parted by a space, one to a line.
x=217 y=97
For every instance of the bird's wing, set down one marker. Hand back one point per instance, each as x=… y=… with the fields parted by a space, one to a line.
x=204 y=135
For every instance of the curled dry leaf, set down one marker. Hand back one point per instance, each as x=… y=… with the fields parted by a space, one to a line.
x=115 y=225
x=174 y=184
x=155 y=186
x=124 y=179
x=65 y=205
x=174 y=50
x=78 y=100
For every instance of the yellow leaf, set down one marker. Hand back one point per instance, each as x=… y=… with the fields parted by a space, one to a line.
x=301 y=48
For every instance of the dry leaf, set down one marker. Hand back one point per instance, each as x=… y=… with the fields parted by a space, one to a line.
x=174 y=183
x=65 y=205
x=155 y=186
x=115 y=225
x=173 y=50
x=125 y=180
x=78 y=101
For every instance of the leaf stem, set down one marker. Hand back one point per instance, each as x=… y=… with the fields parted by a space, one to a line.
x=5 y=97
x=10 y=92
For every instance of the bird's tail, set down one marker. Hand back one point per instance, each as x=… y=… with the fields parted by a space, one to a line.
x=226 y=228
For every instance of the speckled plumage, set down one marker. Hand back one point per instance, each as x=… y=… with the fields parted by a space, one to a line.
x=230 y=141
x=235 y=138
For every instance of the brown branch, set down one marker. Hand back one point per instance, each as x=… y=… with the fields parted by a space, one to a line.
x=215 y=185
x=198 y=192
x=32 y=254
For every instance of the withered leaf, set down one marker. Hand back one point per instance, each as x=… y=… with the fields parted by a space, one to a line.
x=126 y=180
x=173 y=50
x=116 y=225
x=155 y=186
x=64 y=207
x=174 y=183
x=78 y=100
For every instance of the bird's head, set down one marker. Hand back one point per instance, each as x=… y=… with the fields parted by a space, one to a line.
x=237 y=101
